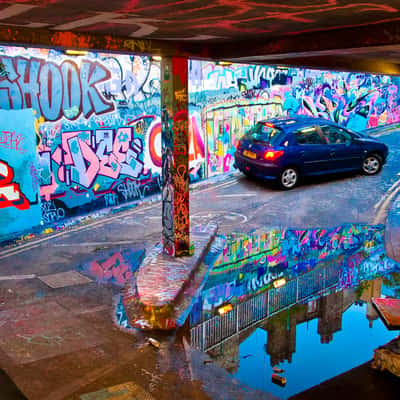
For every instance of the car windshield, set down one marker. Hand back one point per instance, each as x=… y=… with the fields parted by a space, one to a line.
x=264 y=132
x=357 y=133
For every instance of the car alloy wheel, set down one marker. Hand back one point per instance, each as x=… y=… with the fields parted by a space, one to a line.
x=289 y=178
x=372 y=164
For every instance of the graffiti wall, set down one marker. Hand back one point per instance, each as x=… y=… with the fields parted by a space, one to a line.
x=97 y=141
x=98 y=126
x=19 y=182
x=227 y=100
x=98 y=120
x=248 y=264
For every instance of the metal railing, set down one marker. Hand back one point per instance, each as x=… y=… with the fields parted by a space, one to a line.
x=218 y=329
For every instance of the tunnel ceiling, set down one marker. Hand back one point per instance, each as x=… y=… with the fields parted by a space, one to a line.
x=247 y=30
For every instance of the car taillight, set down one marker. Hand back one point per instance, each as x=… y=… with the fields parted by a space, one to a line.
x=273 y=154
x=239 y=143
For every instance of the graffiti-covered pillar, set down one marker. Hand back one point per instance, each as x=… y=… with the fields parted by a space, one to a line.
x=175 y=158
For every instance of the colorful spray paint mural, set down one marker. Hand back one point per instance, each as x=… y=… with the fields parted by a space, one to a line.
x=226 y=101
x=98 y=118
x=19 y=182
x=175 y=160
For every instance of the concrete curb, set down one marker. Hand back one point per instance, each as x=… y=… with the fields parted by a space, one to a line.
x=381 y=129
x=161 y=276
x=392 y=231
x=164 y=285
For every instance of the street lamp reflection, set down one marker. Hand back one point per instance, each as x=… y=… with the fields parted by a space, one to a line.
x=225 y=309
x=279 y=283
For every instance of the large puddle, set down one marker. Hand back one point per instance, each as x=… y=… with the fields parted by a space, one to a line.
x=295 y=300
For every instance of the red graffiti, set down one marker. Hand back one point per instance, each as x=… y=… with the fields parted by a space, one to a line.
x=196 y=146
x=113 y=269
x=10 y=193
x=154 y=133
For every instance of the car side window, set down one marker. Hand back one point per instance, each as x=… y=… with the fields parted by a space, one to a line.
x=336 y=135
x=265 y=129
x=309 y=135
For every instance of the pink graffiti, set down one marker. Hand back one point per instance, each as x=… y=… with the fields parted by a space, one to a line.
x=35 y=177
x=12 y=141
x=85 y=155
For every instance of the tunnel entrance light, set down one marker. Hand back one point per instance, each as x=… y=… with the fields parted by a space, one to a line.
x=224 y=63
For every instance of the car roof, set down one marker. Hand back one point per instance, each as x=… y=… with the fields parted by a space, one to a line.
x=290 y=123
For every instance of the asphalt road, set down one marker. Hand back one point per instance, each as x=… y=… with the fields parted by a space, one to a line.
x=245 y=204
x=237 y=204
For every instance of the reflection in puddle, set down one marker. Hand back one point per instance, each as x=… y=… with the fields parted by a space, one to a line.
x=317 y=324
x=115 y=268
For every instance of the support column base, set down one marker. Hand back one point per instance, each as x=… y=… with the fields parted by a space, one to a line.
x=160 y=298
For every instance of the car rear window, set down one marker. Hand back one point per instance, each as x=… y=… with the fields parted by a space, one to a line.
x=265 y=133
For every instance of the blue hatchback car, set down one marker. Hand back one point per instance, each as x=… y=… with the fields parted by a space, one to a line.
x=286 y=149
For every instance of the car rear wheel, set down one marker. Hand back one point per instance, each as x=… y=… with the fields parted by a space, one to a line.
x=372 y=164
x=289 y=178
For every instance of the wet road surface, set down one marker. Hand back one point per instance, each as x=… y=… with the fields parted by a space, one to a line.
x=60 y=342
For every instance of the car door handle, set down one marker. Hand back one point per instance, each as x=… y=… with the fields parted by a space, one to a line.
x=302 y=153
x=332 y=153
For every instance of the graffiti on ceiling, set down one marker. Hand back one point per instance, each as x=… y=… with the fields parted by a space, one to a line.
x=196 y=20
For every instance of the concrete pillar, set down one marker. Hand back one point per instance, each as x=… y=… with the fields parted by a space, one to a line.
x=175 y=155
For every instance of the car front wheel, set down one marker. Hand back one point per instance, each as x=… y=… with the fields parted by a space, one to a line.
x=372 y=164
x=289 y=178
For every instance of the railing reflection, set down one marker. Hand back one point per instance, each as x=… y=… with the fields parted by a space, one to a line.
x=324 y=287
x=216 y=330
x=314 y=262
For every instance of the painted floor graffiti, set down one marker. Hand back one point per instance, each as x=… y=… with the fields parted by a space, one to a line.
x=115 y=267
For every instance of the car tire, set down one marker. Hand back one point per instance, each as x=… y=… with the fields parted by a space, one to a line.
x=372 y=164
x=289 y=178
